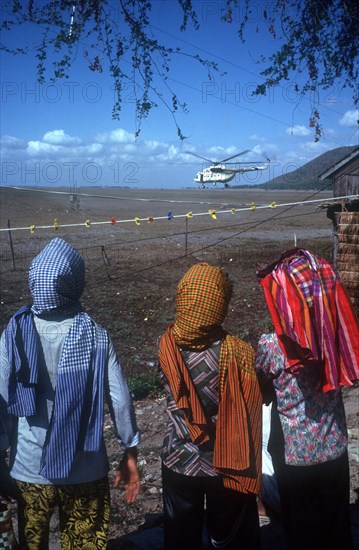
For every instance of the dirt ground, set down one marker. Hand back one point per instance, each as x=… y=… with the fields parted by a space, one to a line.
x=132 y=273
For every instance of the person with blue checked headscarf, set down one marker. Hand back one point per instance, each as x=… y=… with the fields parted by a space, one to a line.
x=57 y=367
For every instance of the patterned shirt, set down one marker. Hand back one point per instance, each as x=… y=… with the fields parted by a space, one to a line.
x=313 y=423
x=179 y=453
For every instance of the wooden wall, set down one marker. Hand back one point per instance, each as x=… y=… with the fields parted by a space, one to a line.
x=346 y=180
x=347 y=253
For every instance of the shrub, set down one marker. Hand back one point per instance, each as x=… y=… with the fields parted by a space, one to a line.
x=145 y=385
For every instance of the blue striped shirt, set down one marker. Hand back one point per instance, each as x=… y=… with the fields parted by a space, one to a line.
x=87 y=465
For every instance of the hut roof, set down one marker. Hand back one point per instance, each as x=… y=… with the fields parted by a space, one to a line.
x=331 y=171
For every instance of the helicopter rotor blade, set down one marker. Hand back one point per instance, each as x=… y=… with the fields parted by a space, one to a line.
x=234 y=156
x=215 y=162
x=199 y=157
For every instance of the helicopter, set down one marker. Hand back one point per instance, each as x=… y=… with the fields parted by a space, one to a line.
x=219 y=172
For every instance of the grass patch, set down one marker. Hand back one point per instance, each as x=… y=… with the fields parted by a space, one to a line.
x=145 y=385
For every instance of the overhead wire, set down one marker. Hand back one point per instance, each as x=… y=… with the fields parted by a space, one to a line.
x=253 y=111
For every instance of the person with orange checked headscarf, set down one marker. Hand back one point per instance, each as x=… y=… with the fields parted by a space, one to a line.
x=211 y=457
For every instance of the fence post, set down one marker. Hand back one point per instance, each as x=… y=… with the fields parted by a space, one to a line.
x=11 y=246
x=186 y=236
x=106 y=261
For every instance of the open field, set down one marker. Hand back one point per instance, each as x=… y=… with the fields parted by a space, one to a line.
x=133 y=271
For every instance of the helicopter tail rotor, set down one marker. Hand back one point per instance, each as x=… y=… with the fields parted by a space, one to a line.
x=267 y=159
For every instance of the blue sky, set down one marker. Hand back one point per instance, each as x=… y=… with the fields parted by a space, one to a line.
x=63 y=134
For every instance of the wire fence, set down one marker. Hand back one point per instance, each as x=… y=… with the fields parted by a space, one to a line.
x=184 y=237
x=160 y=249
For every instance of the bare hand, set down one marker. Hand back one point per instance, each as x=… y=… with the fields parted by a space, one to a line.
x=129 y=474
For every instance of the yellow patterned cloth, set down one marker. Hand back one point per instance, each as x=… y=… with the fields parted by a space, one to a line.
x=203 y=296
x=84 y=514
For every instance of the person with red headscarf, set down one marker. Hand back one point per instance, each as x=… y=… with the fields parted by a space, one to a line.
x=301 y=367
x=211 y=457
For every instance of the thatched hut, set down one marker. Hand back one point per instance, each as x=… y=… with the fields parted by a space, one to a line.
x=345 y=216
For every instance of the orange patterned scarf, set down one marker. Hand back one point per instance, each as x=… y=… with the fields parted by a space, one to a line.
x=203 y=296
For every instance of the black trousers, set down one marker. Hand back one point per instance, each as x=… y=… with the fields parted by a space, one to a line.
x=315 y=504
x=190 y=503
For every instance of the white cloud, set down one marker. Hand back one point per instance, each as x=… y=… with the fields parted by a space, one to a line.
x=260 y=153
x=317 y=147
x=107 y=158
x=108 y=153
x=350 y=118
x=93 y=148
x=40 y=148
x=58 y=137
x=172 y=151
x=290 y=155
x=167 y=154
x=130 y=148
x=256 y=137
x=152 y=144
x=12 y=142
x=223 y=151
x=298 y=130
x=258 y=150
x=116 y=136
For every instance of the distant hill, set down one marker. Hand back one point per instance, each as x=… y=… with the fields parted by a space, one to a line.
x=307 y=176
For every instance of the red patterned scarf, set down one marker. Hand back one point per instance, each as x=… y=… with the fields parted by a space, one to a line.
x=313 y=317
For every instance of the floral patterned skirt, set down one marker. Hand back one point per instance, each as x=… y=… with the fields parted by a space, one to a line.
x=84 y=512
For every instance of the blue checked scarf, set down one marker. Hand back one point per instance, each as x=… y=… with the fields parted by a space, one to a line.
x=57 y=280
